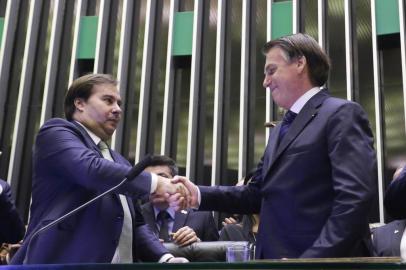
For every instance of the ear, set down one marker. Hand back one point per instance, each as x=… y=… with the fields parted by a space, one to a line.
x=301 y=63
x=79 y=104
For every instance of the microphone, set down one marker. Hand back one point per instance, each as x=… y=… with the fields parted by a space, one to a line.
x=135 y=171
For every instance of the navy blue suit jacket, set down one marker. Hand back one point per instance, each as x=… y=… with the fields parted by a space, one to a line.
x=69 y=170
x=313 y=189
x=12 y=227
x=395 y=202
x=386 y=239
x=201 y=222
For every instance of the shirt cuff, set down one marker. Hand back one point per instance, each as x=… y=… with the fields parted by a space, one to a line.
x=165 y=258
x=199 y=198
x=154 y=182
x=1 y=189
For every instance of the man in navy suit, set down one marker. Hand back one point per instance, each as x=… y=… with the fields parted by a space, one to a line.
x=12 y=227
x=71 y=165
x=187 y=226
x=386 y=240
x=389 y=240
x=315 y=181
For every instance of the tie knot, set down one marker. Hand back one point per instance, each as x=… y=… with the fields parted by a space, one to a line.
x=102 y=146
x=163 y=215
x=289 y=117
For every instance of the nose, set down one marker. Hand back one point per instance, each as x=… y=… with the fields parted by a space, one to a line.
x=267 y=81
x=117 y=109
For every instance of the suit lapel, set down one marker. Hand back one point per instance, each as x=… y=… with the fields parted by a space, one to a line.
x=180 y=220
x=149 y=217
x=305 y=116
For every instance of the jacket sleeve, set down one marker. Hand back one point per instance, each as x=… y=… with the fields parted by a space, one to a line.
x=12 y=227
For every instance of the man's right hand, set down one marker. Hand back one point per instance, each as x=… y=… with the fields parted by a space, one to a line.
x=192 y=200
x=175 y=194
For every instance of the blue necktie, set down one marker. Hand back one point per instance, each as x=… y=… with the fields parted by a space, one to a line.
x=163 y=217
x=287 y=120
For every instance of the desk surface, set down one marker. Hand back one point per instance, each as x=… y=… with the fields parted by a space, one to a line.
x=342 y=263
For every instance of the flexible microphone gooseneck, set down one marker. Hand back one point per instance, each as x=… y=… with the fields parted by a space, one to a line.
x=134 y=172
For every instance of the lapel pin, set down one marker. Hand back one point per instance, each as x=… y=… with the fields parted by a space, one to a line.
x=183 y=212
x=396 y=231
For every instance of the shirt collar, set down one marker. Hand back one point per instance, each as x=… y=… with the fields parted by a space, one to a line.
x=299 y=104
x=96 y=139
x=170 y=211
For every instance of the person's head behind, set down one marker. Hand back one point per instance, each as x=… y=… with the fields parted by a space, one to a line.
x=163 y=166
x=294 y=64
x=94 y=101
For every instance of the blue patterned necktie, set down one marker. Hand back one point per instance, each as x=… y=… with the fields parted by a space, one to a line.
x=287 y=120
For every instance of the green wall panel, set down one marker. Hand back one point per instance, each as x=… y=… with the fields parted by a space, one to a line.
x=282 y=20
x=387 y=17
x=87 y=37
x=182 y=33
x=1 y=28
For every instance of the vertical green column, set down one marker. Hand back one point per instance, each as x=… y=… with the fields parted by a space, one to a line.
x=387 y=17
x=182 y=34
x=87 y=37
x=1 y=29
x=282 y=19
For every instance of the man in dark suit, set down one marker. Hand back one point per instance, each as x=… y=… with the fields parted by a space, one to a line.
x=71 y=165
x=12 y=227
x=387 y=238
x=395 y=202
x=186 y=226
x=316 y=179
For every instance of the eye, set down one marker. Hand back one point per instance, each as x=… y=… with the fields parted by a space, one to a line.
x=108 y=100
x=270 y=71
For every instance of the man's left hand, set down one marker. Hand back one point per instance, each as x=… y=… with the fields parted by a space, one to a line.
x=185 y=236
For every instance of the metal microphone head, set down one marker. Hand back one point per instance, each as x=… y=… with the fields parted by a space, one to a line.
x=139 y=167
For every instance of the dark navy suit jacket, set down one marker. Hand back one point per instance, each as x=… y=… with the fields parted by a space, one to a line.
x=69 y=170
x=313 y=189
x=386 y=239
x=201 y=222
x=395 y=202
x=12 y=227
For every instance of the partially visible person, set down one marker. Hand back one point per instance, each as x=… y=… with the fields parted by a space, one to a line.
x=395 y=195
x=390 y=239
x=387 y=239
x=12 y=227
x=317 y=176
x=183 y=227
x=247 y=228
x=72 y=164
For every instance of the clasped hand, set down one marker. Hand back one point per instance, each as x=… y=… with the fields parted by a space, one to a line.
x=178 y=193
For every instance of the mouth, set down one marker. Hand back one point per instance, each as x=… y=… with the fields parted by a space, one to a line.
x=115 y=121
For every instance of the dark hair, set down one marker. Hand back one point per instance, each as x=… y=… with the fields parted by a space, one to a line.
x=82 y=88
x=298 y=45
x=164 y=161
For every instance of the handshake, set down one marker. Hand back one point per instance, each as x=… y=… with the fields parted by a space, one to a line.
x=178 y=193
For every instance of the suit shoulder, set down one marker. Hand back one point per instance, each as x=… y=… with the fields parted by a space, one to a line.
x=57 y=123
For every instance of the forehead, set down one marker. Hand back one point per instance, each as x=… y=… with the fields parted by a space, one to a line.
x=106 y=89
x=276 y=55
x=159 y=169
